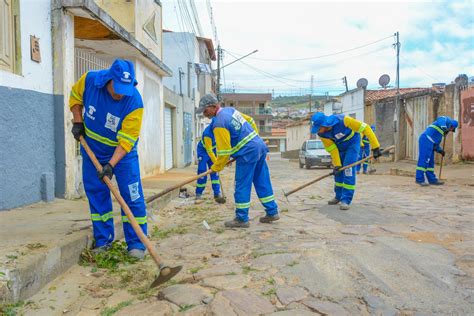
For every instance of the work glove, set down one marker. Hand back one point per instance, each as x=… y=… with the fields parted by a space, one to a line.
x=107 y=171
x=376 y=152
x=336 y=169
x=78 y=130
x=441 y=152
x=215 y=169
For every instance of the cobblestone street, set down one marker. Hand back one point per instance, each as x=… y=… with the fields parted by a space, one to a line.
x=400 y=250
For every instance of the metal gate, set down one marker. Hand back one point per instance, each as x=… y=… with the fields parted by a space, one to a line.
x=168 y=139
x=417 y=121
x=85 y=60
x=188 y=137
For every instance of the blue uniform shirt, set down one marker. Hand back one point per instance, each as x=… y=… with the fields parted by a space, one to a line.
x=340 y=134
x=103 y=116
x=438 y=129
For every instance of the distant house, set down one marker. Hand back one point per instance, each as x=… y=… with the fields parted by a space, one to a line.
x=401 y=124
x=297 y=133
x=257 y=105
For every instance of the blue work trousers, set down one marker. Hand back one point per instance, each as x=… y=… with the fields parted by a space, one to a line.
x=127 y=174
x=364 y=152
x=425 y=164
x=345 y=181
x=257 y=173
x=204 y=164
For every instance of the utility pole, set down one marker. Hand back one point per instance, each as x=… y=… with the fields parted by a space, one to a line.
x=397 y=100
x=218 y=87
x=397 y=44
x=311 y=92
x=344 y=80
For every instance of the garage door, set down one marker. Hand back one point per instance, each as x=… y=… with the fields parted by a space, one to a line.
x=168 y=139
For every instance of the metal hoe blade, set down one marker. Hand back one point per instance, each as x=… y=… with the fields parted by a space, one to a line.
x=163 y=278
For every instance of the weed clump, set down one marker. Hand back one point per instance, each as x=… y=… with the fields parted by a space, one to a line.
x=117 y=254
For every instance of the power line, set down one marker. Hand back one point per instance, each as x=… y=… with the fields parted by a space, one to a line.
x=182 y=28
x=322 y=56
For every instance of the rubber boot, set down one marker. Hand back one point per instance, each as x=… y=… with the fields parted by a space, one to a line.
x=344 y=206
x=235 y=223
x=137 y=253
x=438 y=183
x=268 y=219
x=219 y=199
x=333 y=201
x=423 y=184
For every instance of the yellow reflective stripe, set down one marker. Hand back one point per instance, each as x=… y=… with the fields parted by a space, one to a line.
x=100 y=139
x=267 y=199
x=242 y=205
x=366 y=141
x=437 y=128
x=101 y=218
x=339 y=184
x=421 y=168
x=429 y=169
x=331 y=148
x=225 y=152
x=215 y=182
x=350 y=136
x=127 y=137
x=349 y=186
x=140 y=220
x=362 y=127
x=203 y=185
x=244 y=141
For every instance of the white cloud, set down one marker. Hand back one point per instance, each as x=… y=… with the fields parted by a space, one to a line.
x=435 y=37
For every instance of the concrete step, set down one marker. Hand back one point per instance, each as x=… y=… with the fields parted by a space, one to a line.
x=40 y=242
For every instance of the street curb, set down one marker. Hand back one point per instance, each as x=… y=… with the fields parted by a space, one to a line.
x=33 y=272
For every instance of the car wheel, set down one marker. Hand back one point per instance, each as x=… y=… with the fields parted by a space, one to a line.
x=307 y=165
x=301 y=165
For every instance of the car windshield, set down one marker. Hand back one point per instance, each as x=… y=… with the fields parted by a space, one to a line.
x=315 y=145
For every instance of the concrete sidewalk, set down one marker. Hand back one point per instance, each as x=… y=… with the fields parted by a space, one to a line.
x=459 y=173
x=39 y=242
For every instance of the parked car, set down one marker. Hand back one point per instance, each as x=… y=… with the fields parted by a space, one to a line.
x=312 y=153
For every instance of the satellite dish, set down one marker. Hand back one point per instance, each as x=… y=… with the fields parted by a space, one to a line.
x=384 y=80
x=362 y=83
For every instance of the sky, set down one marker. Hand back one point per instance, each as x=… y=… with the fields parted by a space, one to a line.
x=330 y=40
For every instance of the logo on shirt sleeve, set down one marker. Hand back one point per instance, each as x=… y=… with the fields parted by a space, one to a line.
x=112 y=122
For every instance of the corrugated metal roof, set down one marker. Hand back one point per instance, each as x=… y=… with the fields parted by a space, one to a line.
x=374 y=95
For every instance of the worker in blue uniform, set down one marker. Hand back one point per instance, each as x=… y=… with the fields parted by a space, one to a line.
x=113 y=111
x=236 y=136
x=206 y=154
x=340 y=135
x=428 y=143
x=364 y=152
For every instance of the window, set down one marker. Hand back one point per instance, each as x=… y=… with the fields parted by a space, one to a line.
x=261 y=105
x=262 y=122
x=315 y=144
x=10 y=58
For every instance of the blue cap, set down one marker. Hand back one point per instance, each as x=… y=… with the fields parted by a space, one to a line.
x=317 y=120
x=122 y=74
x=454 y=124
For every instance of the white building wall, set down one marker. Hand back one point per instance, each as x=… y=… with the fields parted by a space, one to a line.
x=178 y=50
x=296 y=135
x=35 y=19
x=151 y=143
x=353 y=103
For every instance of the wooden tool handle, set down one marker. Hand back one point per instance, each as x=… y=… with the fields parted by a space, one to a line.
x=136 y=227
x=442 y=158
x=179 y=185
x=330 y=174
